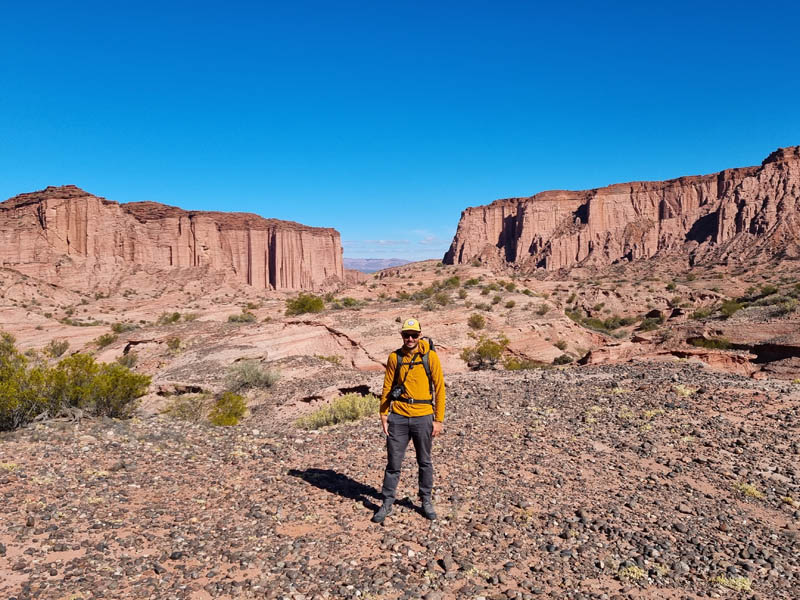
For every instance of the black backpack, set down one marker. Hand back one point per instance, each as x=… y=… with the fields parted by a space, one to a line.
x=425 y=364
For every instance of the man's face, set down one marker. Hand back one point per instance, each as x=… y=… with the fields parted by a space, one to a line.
x=410 y=339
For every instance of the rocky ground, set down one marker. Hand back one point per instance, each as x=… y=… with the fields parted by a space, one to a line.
x=643 y=480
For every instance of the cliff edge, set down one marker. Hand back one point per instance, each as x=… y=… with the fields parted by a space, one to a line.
x=742 y=214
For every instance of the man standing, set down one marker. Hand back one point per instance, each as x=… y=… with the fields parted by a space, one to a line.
x=412 y=407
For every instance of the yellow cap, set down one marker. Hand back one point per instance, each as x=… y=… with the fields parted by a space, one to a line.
x=410 y=325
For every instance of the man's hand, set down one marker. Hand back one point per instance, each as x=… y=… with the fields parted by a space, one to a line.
x=438 y=426
x=385 y=424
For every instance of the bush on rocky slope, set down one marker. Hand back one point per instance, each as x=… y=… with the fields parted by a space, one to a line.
x=349 y=407
x=28 y=390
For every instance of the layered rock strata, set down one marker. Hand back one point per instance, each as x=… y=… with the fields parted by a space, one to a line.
x=64 y=233
x=738 y=213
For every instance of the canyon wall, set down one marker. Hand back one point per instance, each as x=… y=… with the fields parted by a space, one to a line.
x=736 y=214
x=65 y=234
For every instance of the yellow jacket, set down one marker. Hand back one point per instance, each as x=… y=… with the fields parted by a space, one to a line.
x=416 y=386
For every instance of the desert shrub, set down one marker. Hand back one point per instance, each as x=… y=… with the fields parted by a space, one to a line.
x=304 y=303
x=671 y=286
x=564 y=359
x=349 y=302
x=476 y=321
x=105 y=339
x=128 y=360
x=485 y=353
x=729 y=307
x=510 y=304
x=452 y=282
x=691 y=277
x=76 y=381
x=561 y=345
x=168 y=318
x=247 y=374
x=333 y=358
x=484 y=306
x=768 y=289
x=542 y=309
x=703 y=312
x=598 y=307
x=572 y=297
x=442 y=298
x=123 y=327
x=496 y=299
x=527 y=292
x=228 y=410
x=56 y=348
x=650 y=323
x=462 y=293
x=349 y=407
x=174 y=343
x=189 y=316
x=512 y=363
x=510 y=286
x=471 y=282
x=187 y=407
x=713 y=343
x=244 y=317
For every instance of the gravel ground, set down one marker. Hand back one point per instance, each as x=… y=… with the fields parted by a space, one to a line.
x=628 y=481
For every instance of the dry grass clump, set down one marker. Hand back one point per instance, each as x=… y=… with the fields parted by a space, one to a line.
x=749 y=490
x=739 y=583
x=247 y=374
x=349 y=407
x=228 y=410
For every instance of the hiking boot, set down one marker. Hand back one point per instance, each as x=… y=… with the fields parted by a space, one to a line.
x=384 y=511
x=428 y=510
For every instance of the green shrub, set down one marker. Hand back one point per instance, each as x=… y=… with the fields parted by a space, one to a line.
x=496 y=299
x=452 y=282
x=76 y=381
x=247 y=374
x=510 y=286
x=729 y=307
x=671 y=286
x=105 y=339
x=650 y=324
x=244 y=317
x=304 y=303
x=56 y=348
x=189 y=316
x=713 y=343
x=510 y=304
x=768 y=289
x=512 y=363
x=564 y=359
x=442 y=298
x=476 y=321
x=543 y=309
x=168 y=318
x=462 y=293
x=561 y=345
x=128 y=360
x=228 y=409
x=485 y=353
x=349 y=302
x=471 y=282
x=123 y=327
x=350 y=407
x=703 y=312
x=187 y=407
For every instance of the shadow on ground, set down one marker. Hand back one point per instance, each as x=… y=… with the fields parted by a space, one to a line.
x=344 y=486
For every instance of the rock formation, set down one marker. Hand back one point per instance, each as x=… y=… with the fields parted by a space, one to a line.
x=742 y=213
x=63 y=234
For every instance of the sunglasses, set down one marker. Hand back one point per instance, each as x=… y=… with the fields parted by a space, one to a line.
x=407 y=334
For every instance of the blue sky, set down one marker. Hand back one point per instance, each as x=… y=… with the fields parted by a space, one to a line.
x=386 y=119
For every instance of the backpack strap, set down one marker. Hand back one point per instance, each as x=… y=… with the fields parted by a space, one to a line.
x=425 y=364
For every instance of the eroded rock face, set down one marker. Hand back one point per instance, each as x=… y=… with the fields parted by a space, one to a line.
x=740 y=213
x=68 y=235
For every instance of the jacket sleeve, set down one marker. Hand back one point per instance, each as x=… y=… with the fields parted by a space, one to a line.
x=438 y=387
x=388 y=378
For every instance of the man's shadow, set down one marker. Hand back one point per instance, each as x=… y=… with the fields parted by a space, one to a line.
x=342 y=485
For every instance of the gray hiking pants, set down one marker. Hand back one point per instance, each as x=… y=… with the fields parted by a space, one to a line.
x=401 y=429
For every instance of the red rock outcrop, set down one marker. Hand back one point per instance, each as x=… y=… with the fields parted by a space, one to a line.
x=67 y=235
x=739 y=213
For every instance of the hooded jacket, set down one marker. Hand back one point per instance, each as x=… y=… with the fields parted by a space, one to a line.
x=416 y=385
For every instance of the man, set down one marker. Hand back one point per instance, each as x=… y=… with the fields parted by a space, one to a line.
x=415 y=410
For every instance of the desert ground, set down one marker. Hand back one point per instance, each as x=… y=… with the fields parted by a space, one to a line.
x=657 y=458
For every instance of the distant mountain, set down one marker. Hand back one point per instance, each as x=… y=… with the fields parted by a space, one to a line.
x=370 y=265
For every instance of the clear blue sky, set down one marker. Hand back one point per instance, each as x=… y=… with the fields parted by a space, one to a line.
x=386 y=119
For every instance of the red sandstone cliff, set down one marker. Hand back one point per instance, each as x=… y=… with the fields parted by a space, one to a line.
x=65 y=234
x=735 y=214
